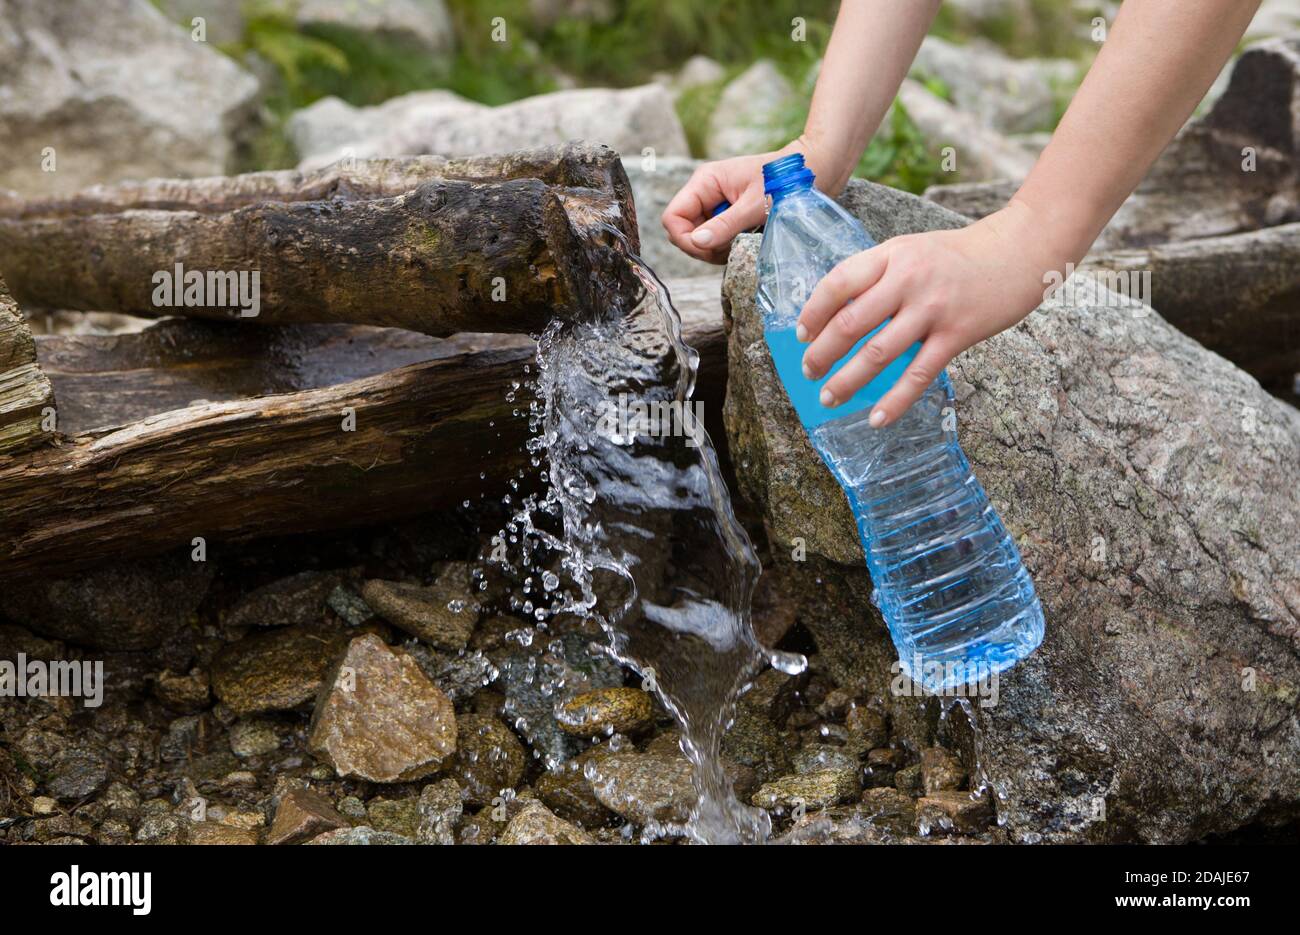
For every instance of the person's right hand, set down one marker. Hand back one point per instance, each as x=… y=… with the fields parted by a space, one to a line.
x=739 y=181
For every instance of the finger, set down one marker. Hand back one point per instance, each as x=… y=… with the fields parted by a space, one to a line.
x=877 y=354
x=849 y=325
x=690 y=208
x=848 y=279
x=934 y=355
x=717 y=233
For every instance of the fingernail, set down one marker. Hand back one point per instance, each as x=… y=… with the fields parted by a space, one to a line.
x=801 y=334
x=702 y=237
x=877 y=418
x=827 y=398
x=807 y=371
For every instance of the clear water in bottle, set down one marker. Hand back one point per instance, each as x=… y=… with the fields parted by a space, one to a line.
x=949 y=581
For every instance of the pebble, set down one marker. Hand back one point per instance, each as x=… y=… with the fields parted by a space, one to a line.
x=607 y=710
x=303 y=814
x=953 y=812
x=821 y=789
x=489 y=758
x=536 y=824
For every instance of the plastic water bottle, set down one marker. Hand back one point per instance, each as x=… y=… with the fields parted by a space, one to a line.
x=948 y=578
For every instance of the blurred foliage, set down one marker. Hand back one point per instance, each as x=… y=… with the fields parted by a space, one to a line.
x=629 y=43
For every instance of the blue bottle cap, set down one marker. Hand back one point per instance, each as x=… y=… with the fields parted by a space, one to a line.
x=786 y=172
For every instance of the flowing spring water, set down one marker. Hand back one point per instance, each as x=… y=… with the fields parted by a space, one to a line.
x=635 y=528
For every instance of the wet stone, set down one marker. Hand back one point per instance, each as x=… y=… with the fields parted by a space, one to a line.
x=163 y=829
x=908 y=781
x=821 y=789
x=210 y=832
x=379 y=718
x=349 y=607
x=816 y=757
x=425 y=612
x=566 y=791
x=867 y=728
x=607 y=710
x=396 y=816
x=293 y=601
x=645 y=787
x=941 y=771
x=773 y=694
x=439 y=812
x=276 y=671
x=255 y=737
x=953 y=812
x=537 y=825
x=361 y=835
x=489 y=758
x=891 y=810
x=302 y=814
x=71 y=767
x=190 y=693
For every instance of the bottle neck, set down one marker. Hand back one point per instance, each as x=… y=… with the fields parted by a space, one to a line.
x=779 y=192
x=786 y=175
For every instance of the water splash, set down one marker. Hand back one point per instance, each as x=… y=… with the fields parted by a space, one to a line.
x=635 y=530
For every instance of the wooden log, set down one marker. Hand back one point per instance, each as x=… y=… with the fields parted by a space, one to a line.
x=502 y=243
x=26 y=397
x=231 y=469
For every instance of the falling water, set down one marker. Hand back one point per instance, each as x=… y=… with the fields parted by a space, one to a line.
x=637 y=520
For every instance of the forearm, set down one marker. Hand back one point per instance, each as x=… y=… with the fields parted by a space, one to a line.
x=870 y=50
x=1155 y=66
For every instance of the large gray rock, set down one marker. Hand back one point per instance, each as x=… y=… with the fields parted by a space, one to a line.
x=654 y=183
x=424 y=25
x=748 y=116
x=1150 y=485
x=1235 y=169
x=117 y=92
x=981 y=154
x=629 y=120
x=1005 y=94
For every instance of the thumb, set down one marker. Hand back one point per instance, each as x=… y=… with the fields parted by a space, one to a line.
x=717 y=232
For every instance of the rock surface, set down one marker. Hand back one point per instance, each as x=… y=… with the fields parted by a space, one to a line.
x=276 y=671
x=379 y=718
x=981 y=154
x=133 y=605
x=537 y=825
x=1150 y=487
x=303 y=814
x=745 y=120
x=422 y=25
x=617 y=710
x=116 y=91
x=628 y=120
x=489 y=758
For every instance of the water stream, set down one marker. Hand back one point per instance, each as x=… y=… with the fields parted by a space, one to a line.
x=635 y=529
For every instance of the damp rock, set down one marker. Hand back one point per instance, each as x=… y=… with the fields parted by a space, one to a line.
x=1088 y=425
x=442 y=614
x=536 y=824
x=119 y=606
x=439 y=812
x=461 y=676
x=755 y=742
x=211 y=832
x=890 y=810
x=71 y=766
x=819 y=756
x=566 y=790
x=361 y=835
x=379 y=718
x=277 y=671
x=535 y=679
x=190 y=693
x=867 y=728
x=941 y=771
x=255 y=737
x=163 y=829
x=396 y=816
x=645 y=787
x=302 y=814
x=349 y=607
x=953 y=812
x=298 y=600
x=489 y=758
x=616 y=710
x=908 y=781
x=820 y=789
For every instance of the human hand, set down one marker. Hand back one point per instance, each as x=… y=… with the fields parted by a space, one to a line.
x=946 y=289
x=739 y=181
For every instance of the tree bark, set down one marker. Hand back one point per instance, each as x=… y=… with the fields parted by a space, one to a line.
x=25 y=393
x=501 y=243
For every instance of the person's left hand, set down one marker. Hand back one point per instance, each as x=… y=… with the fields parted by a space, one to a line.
x=946 y=289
